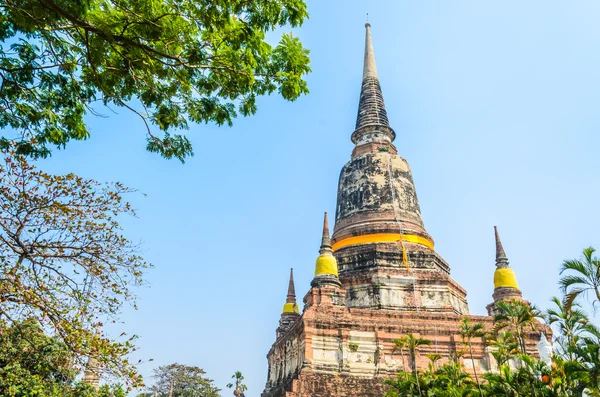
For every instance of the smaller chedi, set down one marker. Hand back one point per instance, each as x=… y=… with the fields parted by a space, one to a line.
x=505 y=281
x=378 y=278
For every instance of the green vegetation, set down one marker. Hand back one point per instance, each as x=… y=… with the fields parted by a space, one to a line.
x=35 y=364
x=178 y=380
x=575 y=368
x=238 y=387
x=171 y=62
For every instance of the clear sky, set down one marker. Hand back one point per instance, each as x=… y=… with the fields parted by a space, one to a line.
x=495 y=106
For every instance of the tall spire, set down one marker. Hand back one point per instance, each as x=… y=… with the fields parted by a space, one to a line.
x=372 y=124
x=291 y=295
x=290 y=302
x=325 y=240
x=501 y=259
x=370 y=67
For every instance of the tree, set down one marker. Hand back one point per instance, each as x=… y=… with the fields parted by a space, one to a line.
x=238 y=387
x=581 y=277
x=35 y=364
x=452 y=381
x=399 y=345
x=31 y=360
x=517 y=317
x=505 y=346
x=64 y=261
x=186 y=381
x=527 y=380
x=449 y=380
x=412 y=344
x=171 y=62
x=571 y=324
x=469 y=331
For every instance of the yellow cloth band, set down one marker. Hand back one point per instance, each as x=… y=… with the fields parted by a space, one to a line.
x=382 y=238
x=505 y=277
x=290 y=308
x=326 y=264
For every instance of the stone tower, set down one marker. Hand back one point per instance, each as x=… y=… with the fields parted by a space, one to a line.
x=505 y=281
x=377 y=278
x=290 y=311
x=91 y=374
x=386 y=257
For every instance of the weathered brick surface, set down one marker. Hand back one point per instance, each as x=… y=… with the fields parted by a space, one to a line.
x=350 y=351
x=342 y=344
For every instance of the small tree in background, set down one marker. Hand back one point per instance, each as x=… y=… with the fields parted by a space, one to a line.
x=181 y=381
x=238 y=387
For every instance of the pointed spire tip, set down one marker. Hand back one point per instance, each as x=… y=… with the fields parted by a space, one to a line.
x=369 y=67
x=291 y=295
x=500 y=254
x=325 y=239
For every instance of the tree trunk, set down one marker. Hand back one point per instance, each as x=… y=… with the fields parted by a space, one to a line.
x=474 y=369
x=403 y=362
x=413 y=357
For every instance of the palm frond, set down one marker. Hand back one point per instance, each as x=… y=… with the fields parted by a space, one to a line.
x=572 y=295
x=575 y=265
x=571 y=280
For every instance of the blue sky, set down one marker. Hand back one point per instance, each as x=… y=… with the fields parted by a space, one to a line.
x=495 y=106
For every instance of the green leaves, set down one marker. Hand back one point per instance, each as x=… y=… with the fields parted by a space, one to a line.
x=187 y=381
x=582 y=276
x=33 y=363
x=171 y=62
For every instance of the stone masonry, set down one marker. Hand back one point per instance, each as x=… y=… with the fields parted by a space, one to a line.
x=377 y=279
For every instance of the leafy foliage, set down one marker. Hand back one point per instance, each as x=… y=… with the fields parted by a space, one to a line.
x=64 y=261
x=185 y=380
x=581 y=277
x=517 y=317
x=35 y=364
x=172 y=62
x=238 y=387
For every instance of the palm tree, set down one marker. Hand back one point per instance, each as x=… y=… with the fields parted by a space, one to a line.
x=469 y=331
x=401 y=386
x=399 y=345
x=571 y=323
x=583 y=277
x=516 y=316
x=505 y=346
x=412 y=344
x=451 y=380
x=240 y=388
x=433 y=358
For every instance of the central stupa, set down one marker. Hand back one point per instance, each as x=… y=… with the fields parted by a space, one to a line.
x=378 y=225
x=377 y=279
